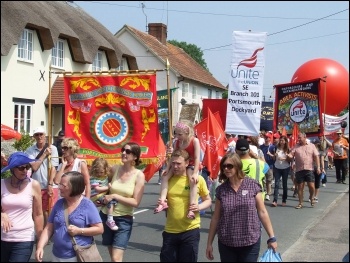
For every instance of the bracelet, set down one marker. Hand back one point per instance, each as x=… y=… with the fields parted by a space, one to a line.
x=271 y=239
x=50 y=184
x=82 y=231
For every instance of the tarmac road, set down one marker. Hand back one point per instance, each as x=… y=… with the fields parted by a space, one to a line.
x=319 y=234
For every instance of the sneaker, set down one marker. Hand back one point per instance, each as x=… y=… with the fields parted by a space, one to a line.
x=315 y=200
x=267 y=197
x=159 y=183
x=112 y=225
x=343 y=182
x=338 y=181
x=323 y=185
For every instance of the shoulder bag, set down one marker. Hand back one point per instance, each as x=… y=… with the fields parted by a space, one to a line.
x=87 y=253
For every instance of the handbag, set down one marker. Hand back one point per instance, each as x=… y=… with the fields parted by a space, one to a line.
x=270 y=256
x=87 y=253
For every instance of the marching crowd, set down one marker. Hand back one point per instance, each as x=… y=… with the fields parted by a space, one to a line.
x=53 y=196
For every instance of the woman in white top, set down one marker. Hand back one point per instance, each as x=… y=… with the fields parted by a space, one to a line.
x=70 y=162
x=281 y=169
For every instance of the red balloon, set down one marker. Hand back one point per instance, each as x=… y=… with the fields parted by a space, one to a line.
x=336 y=85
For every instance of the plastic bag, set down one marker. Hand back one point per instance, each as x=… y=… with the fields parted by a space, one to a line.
x=270 y=256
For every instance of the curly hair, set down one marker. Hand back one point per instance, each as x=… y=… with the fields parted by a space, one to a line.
x=72 y=144
x=99 y=165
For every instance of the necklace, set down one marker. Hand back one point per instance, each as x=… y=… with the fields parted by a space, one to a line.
x=19 y=182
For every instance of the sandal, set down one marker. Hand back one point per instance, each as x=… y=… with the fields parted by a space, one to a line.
x=274 y=204
x=160 y=207
x=191 y=215
x=299 y=206
x=312 y=203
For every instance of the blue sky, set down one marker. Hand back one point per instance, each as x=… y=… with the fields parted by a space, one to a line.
x=298 y=31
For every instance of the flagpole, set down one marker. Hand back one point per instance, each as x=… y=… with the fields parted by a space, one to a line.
x=169 y=103
x=324 y=103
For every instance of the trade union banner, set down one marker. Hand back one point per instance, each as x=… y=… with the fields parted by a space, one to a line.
x=105 y=112
x=299 y=103
x=246 y=83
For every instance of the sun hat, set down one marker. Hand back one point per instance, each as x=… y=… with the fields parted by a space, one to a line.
x=17 y=159
x=242 y=145
x=339 y=131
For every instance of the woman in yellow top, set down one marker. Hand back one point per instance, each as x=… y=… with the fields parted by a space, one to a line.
x=127 y=187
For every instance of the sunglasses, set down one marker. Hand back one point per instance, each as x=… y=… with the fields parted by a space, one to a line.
x=21 y=168
x=66 y=148
x=229 y=166
x=127 y=151
x=38 y=134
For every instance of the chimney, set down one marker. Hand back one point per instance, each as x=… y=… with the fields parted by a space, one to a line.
x=159 y=31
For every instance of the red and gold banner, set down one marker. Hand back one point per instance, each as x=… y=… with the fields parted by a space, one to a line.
x=105 y=112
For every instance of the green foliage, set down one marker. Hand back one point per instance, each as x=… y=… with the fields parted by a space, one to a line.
x=6 y=174
x=192 y=50
x=24 y=143
x=225 y=94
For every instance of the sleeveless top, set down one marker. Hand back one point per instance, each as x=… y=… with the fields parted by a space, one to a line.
x=19 y=208
x=125 y=189
x=189 y=149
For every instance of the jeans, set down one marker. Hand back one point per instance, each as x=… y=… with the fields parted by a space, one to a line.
x=180 y=247
x=278 y=173
x=239 y=254
x=16 y=251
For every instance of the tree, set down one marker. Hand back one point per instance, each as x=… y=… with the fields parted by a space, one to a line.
x=192 y=50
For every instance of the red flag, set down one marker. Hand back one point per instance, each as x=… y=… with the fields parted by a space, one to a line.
x=294 y=138
x=151 y=169
x=284 y=131
x=216 y=143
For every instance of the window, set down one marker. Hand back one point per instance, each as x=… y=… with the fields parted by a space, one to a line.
x=123 y=65
x=209 y=93
x=97 y=64
x=25 y=46
x=185 y=89
x=217 y=95
x=22 y=118
x=57 y=55
x=194 y=92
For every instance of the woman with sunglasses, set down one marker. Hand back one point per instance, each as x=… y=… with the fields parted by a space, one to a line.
x=127 y=187
x=71 y=162
x=22 y=219
x=238 y=198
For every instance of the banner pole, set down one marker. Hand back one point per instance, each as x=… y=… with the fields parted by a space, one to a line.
x=169 y=104
x=50 y=139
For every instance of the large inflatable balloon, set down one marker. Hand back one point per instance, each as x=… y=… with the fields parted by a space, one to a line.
x=336 y=85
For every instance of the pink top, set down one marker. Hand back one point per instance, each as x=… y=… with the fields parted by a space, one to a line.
x=19 y=208
x=304 y=156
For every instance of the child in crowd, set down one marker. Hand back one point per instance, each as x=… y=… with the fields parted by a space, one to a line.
x=185 y=140
x=100 y=185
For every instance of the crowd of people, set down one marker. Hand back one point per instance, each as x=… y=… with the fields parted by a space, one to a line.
x=65 y=198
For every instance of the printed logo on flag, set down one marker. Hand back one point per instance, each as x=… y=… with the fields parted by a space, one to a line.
x=298 y=111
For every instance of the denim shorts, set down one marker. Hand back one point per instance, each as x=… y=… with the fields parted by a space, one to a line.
x=16 y=251
x=120 y=238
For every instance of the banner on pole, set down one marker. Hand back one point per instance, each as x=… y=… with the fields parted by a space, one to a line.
x=298 y=103
x=246 y=83
x=105 y=112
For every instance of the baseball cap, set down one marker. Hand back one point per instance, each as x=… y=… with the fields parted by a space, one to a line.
x=276 y=135
x=17 y=159
x=39 y=129
x=242 y=145
x=61 y=133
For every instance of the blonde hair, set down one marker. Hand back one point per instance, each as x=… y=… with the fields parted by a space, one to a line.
x=73 y=144
x=98 y=165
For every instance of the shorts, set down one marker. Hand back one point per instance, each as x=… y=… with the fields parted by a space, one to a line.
x=117 y=239
x=269 y=175
x=45 y=198
x=304 y=176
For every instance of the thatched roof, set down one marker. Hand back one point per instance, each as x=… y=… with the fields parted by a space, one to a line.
x=58 y=19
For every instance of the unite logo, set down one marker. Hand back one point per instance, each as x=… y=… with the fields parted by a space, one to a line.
x=298 y=111
x=249 y=63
